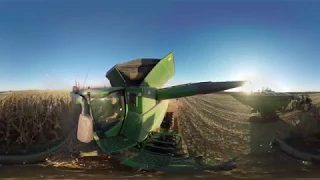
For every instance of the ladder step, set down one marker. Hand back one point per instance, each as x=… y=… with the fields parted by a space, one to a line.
x=163 y=142
x=159 y=147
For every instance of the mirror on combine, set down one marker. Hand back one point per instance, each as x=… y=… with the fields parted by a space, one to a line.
x=85 y=128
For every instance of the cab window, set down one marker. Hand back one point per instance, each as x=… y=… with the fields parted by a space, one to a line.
x=108 y=111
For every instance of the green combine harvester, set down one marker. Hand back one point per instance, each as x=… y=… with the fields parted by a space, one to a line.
x=129 y=120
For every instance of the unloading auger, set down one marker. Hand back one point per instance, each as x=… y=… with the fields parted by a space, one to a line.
x=131 y=116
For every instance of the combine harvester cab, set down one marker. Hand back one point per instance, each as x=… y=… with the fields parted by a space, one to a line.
x=132 y=116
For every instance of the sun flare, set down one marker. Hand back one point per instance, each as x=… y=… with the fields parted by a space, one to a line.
x=247 y=87
x=250 y=76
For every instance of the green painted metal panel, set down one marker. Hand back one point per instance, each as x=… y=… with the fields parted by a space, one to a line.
x=139 y=101
x=115 y=130
x=132 y=126
x=161 y=73
x=153 y=118
x=148 y=99
x=132 y=123
x=144 y=98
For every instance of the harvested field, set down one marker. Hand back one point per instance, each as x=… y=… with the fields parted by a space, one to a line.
x=217 y=126
x=210 y=129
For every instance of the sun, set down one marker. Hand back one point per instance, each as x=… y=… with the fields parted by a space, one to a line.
x=247 y=75
x=247 y=88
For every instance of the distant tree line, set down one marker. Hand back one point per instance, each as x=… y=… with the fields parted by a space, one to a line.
x=266 y=89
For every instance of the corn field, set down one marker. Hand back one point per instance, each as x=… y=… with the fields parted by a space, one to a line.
x=31 y=120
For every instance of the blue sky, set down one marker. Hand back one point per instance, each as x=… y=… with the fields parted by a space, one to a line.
x=47 y=44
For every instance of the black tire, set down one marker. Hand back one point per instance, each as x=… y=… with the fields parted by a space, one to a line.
x=168 y=121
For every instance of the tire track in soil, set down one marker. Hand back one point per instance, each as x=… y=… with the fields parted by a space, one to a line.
x=232 y=126
x=194 y=111
x=231 y=107
x=191 y=135
x=225 y=102
x=205 y=121
x=210 y=140
x=224 y=126
x=194 y=139
x=230 y=115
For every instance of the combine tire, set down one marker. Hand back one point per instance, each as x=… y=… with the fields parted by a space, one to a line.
x=282 y=146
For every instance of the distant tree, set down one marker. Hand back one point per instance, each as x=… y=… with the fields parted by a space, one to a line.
x=265 y=89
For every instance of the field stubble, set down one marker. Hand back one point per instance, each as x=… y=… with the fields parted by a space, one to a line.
x=212 y=130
